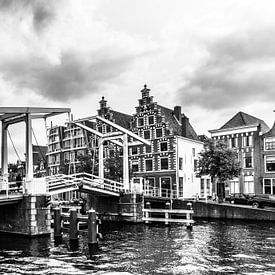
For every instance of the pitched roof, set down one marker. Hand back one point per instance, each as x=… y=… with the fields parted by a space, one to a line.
x=271 y=132
x=243 y=119
x=176 y=125
x=121 y=119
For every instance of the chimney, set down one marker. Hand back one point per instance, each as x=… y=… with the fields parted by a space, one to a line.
x=177 y=112
x=184 y=125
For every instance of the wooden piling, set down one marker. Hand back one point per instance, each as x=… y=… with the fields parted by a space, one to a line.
x=189 y=226
x=147 y=214
x=167 y=214
x=57 y=223
x=92 y=227
x=73 y=224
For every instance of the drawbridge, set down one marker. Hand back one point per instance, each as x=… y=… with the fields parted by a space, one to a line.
x=84 y=182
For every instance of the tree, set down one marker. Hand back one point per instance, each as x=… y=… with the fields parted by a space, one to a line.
x=220 y=163
x=87 y=164
x=114 y=165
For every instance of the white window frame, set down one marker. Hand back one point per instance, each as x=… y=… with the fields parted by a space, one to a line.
x=265 y=158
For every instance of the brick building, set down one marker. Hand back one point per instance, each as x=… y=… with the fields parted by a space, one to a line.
x=268 y=162
x=244 y=133
x=167 y=167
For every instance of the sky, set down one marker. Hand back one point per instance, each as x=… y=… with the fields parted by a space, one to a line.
x=214 y=58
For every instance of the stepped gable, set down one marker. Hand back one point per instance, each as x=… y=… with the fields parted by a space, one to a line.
x=119 y=118
x=271 y=132
x=180 y=128
x=243 y=119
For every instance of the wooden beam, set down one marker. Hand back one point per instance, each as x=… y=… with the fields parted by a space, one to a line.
x=88 y=129
x=123 y=130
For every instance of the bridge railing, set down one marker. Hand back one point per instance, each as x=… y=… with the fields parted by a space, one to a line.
x=160 y=192
x=102 y=183
x=78 y=180
x=11 y=187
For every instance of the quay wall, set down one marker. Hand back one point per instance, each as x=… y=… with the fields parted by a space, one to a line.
x=213 y=210
x=29 y=217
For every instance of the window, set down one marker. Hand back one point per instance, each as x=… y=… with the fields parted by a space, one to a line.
x=164 y=164
x=248 y=162
x=270 y=164
x=269 y=186
x=234 y=142
x=151 y=120
x=159 y=132
x=147 y=149
x=196 y=165
x=248 y=141
x=234 y=186
x=140 y=122
x=181 y=186
x=180 y=163
x=147 y=134
x=134 y=150
x=149 y=164
x=135 y=167
x=270 y=143
x=202 y=187
x=163 y=146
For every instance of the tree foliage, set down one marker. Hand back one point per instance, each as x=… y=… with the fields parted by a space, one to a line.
x=218 y=161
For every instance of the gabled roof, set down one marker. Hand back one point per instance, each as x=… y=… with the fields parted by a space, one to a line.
x=271 y=132
x=176 y=125
x=243 y=119
x=121 y=119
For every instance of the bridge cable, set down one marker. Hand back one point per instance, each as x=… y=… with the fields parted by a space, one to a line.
x=14 y=148
x=38 y=146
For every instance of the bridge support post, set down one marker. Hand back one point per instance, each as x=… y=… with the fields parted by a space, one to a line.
x=147 y=213
x=57 y=223
x=73 y=225
x=92 y=228
x=189 y=217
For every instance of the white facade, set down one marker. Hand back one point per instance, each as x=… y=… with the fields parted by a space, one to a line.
x=189 y=184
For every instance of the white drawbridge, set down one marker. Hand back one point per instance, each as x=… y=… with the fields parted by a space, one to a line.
x=83 y=182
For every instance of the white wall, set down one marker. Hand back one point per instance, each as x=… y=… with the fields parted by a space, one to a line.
x=191 y=183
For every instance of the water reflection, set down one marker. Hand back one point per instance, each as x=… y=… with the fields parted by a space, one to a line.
x=211 y=248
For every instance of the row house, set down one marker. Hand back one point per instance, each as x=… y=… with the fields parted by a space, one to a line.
x=244 y=133
x=167 y=167
x=268 y=162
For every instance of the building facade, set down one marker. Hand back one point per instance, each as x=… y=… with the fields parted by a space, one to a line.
x=244 y=133
x=167 y=168
x=268 y=162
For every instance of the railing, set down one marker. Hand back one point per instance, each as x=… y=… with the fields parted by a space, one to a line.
x=102 y=183
x=160 y=192
x=59 y=182
x=11 y=187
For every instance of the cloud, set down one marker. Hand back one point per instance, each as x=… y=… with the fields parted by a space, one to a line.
x=239 y=70
x=42 y=12
x=75 y=76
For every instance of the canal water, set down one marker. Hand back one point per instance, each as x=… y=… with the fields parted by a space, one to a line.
x=213 y=247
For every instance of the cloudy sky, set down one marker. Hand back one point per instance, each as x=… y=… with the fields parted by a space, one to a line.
x=214 y=58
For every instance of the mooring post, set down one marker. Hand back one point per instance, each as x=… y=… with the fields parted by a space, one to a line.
x=189 y=216
x=57 y=223
x=92 y=227
x=147 y=213
x=73 y=224
x=167 y=215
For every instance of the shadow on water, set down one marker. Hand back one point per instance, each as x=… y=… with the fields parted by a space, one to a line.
x=35 y=247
